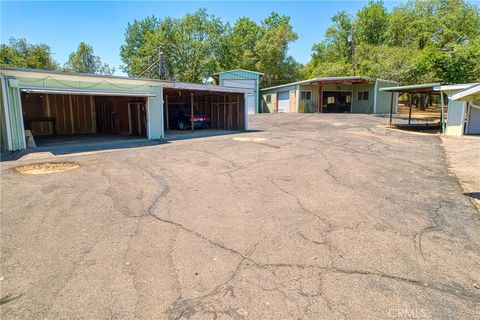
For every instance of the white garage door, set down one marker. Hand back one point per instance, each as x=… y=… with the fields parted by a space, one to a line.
x=473 y=126
x=284 y=101
x=244 y=84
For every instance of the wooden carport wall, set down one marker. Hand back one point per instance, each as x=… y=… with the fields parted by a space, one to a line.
x=205 y=103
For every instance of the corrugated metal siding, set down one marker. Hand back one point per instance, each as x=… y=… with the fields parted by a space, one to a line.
x=383 y=100
x=15 y=116
x=155 y=109
x=362 y=106
x=238 y=74
x=456 y=117
x=272 y=106
x=244 y=75
x=3 y=123
x=312 y=105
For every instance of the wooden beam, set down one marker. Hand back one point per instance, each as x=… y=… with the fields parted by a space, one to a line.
x=224 y=112
x=391 y=108
x=238 y=112
x=191 y=110
x=320 y=98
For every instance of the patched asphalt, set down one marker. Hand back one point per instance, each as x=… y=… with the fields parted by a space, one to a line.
x=309 y=216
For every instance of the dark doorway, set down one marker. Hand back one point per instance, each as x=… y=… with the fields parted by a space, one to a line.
x=337 y=102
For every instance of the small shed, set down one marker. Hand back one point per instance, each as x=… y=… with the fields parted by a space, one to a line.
x=245 y=79
x=464 y=108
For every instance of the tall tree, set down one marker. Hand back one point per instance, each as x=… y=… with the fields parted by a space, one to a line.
x=133 y=52
x=19 y=53
x=371 y=23
x=420 y=40
x=272 y=51
x=242 y=41
x=199 y=44
x=85 y=61
x=194 y=46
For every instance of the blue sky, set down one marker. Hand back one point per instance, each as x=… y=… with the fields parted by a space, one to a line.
x=63 y=25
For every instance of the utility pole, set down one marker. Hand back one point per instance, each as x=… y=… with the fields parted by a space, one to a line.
x=149 y=64
x=350 y=40
x=162 y=67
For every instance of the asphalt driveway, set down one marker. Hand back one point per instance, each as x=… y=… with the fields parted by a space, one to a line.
x=314 y=217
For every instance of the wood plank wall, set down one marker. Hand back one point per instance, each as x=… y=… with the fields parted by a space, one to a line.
x=226 y=112
x=81 y=114
x=73 y=114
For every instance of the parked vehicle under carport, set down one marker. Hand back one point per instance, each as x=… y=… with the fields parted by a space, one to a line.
x=182 y=120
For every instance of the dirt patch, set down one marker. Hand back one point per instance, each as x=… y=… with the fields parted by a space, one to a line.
x=252 y=139
x=47 y=167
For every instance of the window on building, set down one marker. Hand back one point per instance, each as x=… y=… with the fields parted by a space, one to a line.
x=348 y=98
x=269 y=98
x=362 y=95
x=306 y=95
x=330 y=100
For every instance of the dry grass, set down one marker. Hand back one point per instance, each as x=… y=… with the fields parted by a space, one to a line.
x=432 y=112
x=47 y=167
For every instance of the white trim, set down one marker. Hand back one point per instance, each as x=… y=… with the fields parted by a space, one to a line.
x=471 y=91
x=147 y=115
x=454 y=87
x=375 y=91
x=162 y=116
x=21 y=118
x=7 y=113
x=87 y=92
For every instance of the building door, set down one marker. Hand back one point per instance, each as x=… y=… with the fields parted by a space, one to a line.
x=473 y=125
x=283 y=101
x=337 y=101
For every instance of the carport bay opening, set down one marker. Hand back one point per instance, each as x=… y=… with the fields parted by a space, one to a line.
x=224 y=110
x=48 y=116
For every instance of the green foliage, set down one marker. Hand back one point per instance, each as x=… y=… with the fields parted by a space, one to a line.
x=419 y=41
x=85 y=61
x=19 y=53
x=198 y=44
x=271 y=51
x=371 y=23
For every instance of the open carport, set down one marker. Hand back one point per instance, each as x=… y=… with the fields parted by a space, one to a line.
x=211 y=108
x=66 y=117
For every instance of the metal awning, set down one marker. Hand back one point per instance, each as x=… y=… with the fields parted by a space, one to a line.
x=470 y=93
x=415 y=88
x=89 y=92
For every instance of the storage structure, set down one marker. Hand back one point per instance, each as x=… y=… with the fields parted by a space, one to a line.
x=58 y=106
x=246 y=79
x=329 y=95
x=463 y=109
